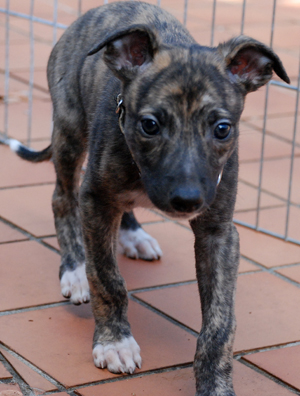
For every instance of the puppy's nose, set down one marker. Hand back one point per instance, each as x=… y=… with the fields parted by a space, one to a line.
x=186 y=200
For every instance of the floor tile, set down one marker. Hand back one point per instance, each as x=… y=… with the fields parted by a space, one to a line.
x=147 y=216
x=29 y=208
x=19 y=89
x=282 y=363
x=290 y=60
x=250 y=143
x=33 y=379
x=22 y=51
x=247 y=197
x=38 y=219
x=58 y=341
x=22 y=172
x=174 y=301
x=281 y=101
x=265 y=309
x=9 y=234
x=14 y=390
x=14 y=36
x=273 y=220
x=248 y=382
x=4 y=373
x=292 y=273
x=281 y=33
x=174 y=383
x=282 y=126
x=30 y=275
x=40 y=78
x=18 y=119
x=245 y=266
x=275 y=177
x=267 y=250
x=181 y=383
x=62 y=394
x=176 y=265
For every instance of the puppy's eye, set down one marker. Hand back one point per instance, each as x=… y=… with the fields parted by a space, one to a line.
x=222 y=130
x=150 y=126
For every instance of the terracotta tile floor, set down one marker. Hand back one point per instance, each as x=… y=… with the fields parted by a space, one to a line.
x=45 y=343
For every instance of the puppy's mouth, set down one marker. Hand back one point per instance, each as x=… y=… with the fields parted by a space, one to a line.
x=172 y=214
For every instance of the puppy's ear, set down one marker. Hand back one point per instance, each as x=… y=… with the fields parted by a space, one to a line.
x=251 y=63
x=129 y=50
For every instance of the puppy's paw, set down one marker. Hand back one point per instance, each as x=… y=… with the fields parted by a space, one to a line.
x=119 y=357
x=74 y=285
x=138 y=244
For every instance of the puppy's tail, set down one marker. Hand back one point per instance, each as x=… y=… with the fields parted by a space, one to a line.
x=29 y=154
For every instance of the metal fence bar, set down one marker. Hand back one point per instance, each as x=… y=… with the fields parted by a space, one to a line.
x=35 y=19
x=31 y=75
x=186 y=2
x=264 y=127
x=292 y=159
x=6 y=76
x=284 y=85
x=264 y=231
x=79 y=8
x=213 y=22
x=55 y=9
x=243 y=16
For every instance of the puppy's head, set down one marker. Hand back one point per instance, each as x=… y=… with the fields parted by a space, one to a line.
x=182 y=109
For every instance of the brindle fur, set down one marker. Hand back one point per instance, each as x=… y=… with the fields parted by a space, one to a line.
x=188 y=88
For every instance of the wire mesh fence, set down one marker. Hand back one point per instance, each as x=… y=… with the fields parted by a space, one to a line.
x=269 y=187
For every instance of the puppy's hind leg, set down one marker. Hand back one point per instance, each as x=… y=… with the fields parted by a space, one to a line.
x=134 y=242
x=68 y=157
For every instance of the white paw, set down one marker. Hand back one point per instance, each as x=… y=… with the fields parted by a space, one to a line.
x=119 y=357
x=138 y=244
x=74 y=285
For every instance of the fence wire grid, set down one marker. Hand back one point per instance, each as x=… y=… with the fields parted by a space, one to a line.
x=269 y=186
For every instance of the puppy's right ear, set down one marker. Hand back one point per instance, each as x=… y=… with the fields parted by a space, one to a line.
x=128 y=51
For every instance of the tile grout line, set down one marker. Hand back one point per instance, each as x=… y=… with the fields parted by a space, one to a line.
x=29 y=236
x=16 y=377
x=272 y=115
x=43 y=374
x=268 y=132
x=251 y=261
x=273 y=272
x=34 y=308
x=270 y=377
x=27 y=185
x=284 y=201
x=262 y=208
x=276 y=158
x=159 y=287
x=240 y=355
x=126 y=377
x=164 y=315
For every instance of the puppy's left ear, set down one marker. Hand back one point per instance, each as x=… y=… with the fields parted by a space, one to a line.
x=250 y=63
x=129 y=50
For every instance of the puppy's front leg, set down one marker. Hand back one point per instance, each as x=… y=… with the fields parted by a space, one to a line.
x=217 y=258
x=113 y=345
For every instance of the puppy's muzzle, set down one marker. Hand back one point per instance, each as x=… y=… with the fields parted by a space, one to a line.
x=186 y=200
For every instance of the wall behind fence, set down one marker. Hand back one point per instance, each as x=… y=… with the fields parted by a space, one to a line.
x=269 y=188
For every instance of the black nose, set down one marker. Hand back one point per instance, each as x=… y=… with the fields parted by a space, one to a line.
x=186 y=200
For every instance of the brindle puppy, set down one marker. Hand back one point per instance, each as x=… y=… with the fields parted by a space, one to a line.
x=173 y=146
